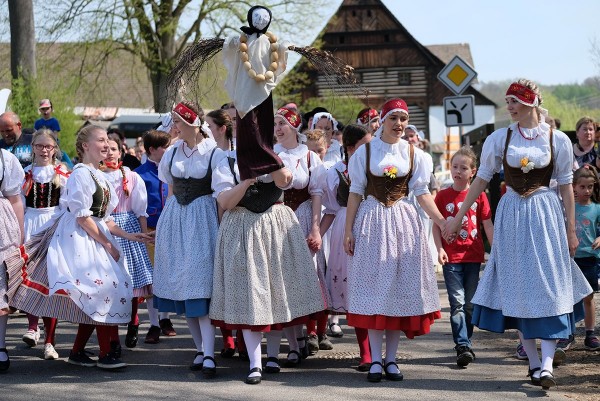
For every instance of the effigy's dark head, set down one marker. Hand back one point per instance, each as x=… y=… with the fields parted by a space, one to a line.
x=259 y=19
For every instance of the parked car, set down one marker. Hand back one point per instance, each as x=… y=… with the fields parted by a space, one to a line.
x=134 y=126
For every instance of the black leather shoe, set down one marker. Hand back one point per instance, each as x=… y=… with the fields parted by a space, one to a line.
x=209 y=372
x=304 y=350
x=197 y=366
x=396 y=377
x=227 y=353
x=131 y=339
x=547 y=379
x=534 y=380
x=4 y=365
x=375 y=377
x=272 y=369
x=292 y=363
x=254 y=379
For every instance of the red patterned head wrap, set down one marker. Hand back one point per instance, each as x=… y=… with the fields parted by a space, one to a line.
x=188 y=115
x=522 y=94
x=392 y=106
x=290 y=117
x=365 y=117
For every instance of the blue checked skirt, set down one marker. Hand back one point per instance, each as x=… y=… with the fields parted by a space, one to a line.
x=136 y=255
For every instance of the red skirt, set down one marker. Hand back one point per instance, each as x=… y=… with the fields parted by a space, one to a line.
x=412 y=326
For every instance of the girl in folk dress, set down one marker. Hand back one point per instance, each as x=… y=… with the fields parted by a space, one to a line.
x=392 y=287
x=222 y=127
x=186 y=233
x=74 y=269
x=335 y=199
x=130 y=214
x=326 y=123
x=304 y=198
x=11 y=233
x=264 y=275
x=45 y=180
x=530 y=281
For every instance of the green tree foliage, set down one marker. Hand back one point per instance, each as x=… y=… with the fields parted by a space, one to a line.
x=24 y=101
x=343 y=108
x=157 y=32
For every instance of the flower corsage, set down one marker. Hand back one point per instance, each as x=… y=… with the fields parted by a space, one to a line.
x=390 y=171
x=526 y=165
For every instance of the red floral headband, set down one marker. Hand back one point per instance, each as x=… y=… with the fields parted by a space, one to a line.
x=292 y=118
x=392 y=106
x=188 y=115
x=368 y=115
x=522 y=94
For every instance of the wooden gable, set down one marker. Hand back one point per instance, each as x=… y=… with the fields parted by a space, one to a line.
x=388 y=60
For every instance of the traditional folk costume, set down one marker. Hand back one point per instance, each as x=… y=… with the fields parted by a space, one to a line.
x=63 y=272
x=133 y=201
x=391 y=285
x=43 y=203
x=186 y=237
x=264 y=275
x=299 y=199
x=182 y=278
x=335 y=151
x=11 y=178
x=530 y=282
x=335 y=200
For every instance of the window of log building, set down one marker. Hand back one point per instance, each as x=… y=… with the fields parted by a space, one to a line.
x=404 y=78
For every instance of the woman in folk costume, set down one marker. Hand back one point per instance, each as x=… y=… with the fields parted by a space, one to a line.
x=264 y=279
x=254 y=61
x=11 y=234
x=326 y=123
x=45 y=180
x=335 y=199
x=186 y=233
x=530 y=283
x=304 y=198
x=74 y=270
x=369 y=119
x=130 y=214
x=392 y=288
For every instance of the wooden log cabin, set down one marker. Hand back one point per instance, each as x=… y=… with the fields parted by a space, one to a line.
x=387 y=59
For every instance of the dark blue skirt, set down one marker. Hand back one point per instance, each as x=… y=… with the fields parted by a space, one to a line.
x=189 y=307
x=546 y=328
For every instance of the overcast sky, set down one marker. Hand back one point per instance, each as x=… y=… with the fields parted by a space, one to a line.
x=548 y=41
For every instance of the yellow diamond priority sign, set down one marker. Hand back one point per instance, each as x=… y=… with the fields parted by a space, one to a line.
x=457 y=75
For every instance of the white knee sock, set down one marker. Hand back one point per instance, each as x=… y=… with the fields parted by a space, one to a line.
x=290 y=333
x=194 y=327
x=376 y=343
x=208 y=339
x=3 y=323
x=298 y=333
x=392 y=339
x=548 y=349
x=530 y=347
x=273 y=345
x=335 y=319
x=163 y=315
x=253 y=339
x=152 y=311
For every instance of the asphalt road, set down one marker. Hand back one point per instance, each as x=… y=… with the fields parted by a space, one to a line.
x=159 y=372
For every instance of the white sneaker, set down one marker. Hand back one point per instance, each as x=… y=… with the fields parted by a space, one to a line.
x=32 y=337
x=49 y=352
